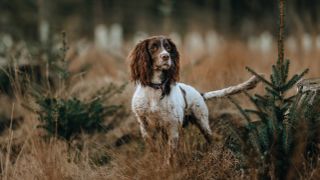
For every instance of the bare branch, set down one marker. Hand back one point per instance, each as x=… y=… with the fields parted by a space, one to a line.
x=309 y=85
x=247 y=85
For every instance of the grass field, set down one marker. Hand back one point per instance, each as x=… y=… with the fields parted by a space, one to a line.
x=120 y=153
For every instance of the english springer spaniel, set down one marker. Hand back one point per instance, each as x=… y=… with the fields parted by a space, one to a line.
x=160 y=102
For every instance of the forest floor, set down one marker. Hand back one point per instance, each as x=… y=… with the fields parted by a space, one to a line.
x=121 y=153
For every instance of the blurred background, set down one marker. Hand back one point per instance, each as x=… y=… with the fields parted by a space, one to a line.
x=200 y=28
x=217 y=39
x=199 y=24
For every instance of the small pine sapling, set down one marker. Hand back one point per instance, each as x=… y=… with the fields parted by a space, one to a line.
x=270 y=140
x=65 y=116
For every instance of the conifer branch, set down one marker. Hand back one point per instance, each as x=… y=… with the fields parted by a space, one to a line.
x=261 y=78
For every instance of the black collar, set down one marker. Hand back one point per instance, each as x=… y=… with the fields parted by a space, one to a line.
x=161 y=85
x=164 y=87
x=156 y=86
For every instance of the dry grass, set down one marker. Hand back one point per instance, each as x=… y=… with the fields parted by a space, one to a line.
x=26 y=155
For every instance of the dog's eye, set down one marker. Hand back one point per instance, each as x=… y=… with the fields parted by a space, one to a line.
x=153 y=47
x=167 y=47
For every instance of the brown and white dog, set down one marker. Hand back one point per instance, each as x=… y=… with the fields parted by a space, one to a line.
x=159 y=100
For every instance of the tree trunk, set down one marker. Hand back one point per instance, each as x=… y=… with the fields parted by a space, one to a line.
x=43 y=21
x=225 y=15
x=100 y=28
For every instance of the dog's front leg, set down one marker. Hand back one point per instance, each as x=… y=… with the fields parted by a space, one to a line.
x=173 y=135
x=144 y=128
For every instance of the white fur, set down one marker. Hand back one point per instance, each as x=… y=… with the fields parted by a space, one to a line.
x=169 y=112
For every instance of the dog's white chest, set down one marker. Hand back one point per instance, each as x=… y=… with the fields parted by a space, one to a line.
x=154 y=107
x=157 y=107
x=149 y=103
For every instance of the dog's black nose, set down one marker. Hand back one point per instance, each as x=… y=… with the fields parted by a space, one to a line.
x=165 y=57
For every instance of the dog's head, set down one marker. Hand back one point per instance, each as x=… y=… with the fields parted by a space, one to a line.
x=157 y=53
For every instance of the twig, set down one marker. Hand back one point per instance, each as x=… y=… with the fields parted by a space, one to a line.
x=247 y=85
x=312 y=84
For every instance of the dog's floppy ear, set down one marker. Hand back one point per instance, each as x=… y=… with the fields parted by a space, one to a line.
x=174 y=70
x=141 y=63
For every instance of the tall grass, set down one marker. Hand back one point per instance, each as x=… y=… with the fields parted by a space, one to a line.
x=25 y=154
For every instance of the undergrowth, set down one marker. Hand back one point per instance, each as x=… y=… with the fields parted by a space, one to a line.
x=281 y=132
x=64 y=115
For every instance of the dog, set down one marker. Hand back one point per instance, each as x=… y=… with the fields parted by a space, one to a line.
x=160 y=101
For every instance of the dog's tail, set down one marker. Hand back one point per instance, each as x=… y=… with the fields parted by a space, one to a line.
x=247 y=85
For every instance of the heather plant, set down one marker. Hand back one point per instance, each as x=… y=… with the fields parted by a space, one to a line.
x=281 y=129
